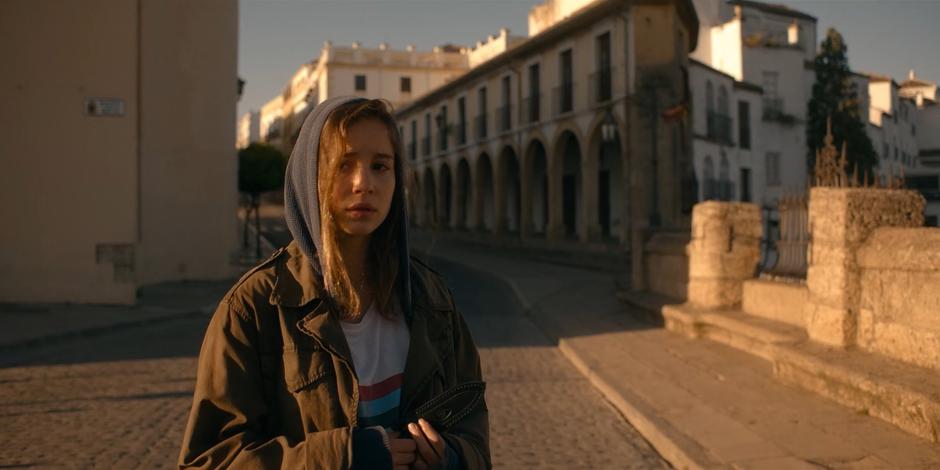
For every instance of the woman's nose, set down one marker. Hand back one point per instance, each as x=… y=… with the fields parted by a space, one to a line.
x=362 y=181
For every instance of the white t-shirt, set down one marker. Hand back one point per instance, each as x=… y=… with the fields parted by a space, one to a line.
x=379 y=350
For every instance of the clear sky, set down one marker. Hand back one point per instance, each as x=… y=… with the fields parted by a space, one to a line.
x=276 y=36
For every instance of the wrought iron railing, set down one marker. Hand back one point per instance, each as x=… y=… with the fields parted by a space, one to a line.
x=505 y=118
x=531 y=108
x=786 y=238
x=601 y=85
x=563 y=98
x=481 y=126
x=718 y=127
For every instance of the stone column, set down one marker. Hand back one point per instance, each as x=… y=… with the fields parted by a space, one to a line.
x=525 y=205
x=723 y=253
x=555 y=229
x=840 y=220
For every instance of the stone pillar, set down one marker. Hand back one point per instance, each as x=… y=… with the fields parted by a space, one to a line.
x=723 y=253
x=840 y=220
x=500 y=225
x=555 y=229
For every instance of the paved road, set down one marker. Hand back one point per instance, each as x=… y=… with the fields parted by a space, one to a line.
x=120 y=400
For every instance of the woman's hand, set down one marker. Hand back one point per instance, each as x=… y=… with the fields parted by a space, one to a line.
x=430 y=446
x=403 y=451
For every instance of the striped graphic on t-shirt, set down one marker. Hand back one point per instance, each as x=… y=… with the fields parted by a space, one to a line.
x=378 y=403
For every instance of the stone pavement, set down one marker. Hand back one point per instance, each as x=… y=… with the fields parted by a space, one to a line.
x=27 y=325
x=118 y=397
x=699 y=403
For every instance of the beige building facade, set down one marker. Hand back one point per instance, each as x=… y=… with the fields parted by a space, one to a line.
x=110 y=140
x=398 y=76
x=562 y=139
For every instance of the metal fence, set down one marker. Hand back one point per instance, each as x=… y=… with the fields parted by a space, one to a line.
x=786 y=238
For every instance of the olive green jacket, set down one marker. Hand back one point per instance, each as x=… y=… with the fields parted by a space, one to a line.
x=276 y=387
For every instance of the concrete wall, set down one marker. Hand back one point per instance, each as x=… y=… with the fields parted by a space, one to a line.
x=99 y=205
x=189 y=189
x=899 y=312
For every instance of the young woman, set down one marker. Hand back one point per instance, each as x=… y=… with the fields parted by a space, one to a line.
x=323 y=355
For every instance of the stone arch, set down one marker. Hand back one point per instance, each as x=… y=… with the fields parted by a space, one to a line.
x=606 y=151
x=464 y=188
x=447 y=197
x=536 y=170
x=485 y=187
x=567 y=170
x=510 y=182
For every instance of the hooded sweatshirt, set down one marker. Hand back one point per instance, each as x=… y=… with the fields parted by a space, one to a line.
x=302 y=213
x=302 y=202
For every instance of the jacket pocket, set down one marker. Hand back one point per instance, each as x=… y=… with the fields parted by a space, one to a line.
x=304 y=368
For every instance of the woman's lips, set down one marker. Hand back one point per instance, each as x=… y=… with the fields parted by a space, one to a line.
x=360 y=210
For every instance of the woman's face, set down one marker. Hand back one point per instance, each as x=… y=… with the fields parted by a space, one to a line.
x=365 y=179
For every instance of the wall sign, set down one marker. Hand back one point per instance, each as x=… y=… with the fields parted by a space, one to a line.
x=104 y=107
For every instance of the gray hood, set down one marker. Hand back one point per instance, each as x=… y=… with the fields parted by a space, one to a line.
x=302 y=203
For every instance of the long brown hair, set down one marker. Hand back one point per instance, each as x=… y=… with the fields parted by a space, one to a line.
x=382 y=259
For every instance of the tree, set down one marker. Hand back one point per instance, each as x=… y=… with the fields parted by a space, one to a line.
x=835 y=96
x=260 y=169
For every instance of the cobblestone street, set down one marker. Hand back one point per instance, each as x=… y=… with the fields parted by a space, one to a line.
x=120 y=400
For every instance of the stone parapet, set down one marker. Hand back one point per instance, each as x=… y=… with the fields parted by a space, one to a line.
x=775 y=300
x=723 y=252
x=899 y=308
x=841 y=219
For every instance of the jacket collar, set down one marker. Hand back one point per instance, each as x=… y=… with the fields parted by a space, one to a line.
x=296 y=283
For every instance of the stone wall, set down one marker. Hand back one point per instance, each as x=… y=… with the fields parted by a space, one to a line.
x=667 y=264
x=723 y=252
x=841 y=219
x=775 y=300
x=899 y=309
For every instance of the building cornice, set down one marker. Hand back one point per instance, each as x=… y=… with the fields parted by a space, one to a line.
x=554 y=33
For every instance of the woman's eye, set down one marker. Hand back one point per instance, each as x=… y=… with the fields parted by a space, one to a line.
x=380 y=167
x=343 y=166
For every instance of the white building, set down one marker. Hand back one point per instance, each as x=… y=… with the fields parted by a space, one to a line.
x=558 y=139
x=891 y=123
x=926 y=129
x=249 y=129
x=398 y=76
x=761 y=49
x=727 y=150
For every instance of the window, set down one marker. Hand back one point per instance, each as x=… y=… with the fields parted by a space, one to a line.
x=504 y=110
x=725 y=191
x=709 y=96
x=566 y=90
x=744 y=125
x=426 y=145
x=360 y=83
x=745 y=184
x=406 y=84
x=885 y=152
x=481 y=113
x=534 y=93
x=602 y=79
x=442 y=128
x=461 y=120
x=773 y=168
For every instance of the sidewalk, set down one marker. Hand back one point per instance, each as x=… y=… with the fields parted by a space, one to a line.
x=27 y=325
x=699 y=403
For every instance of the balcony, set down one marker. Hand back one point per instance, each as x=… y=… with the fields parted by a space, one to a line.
x=480 y=122
x=773 y=111
x=504 y=118
x=601 y=86
x=718 y=127
x=563 y=98
x=442 y=139
x=531 y=108
x=461 y=133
